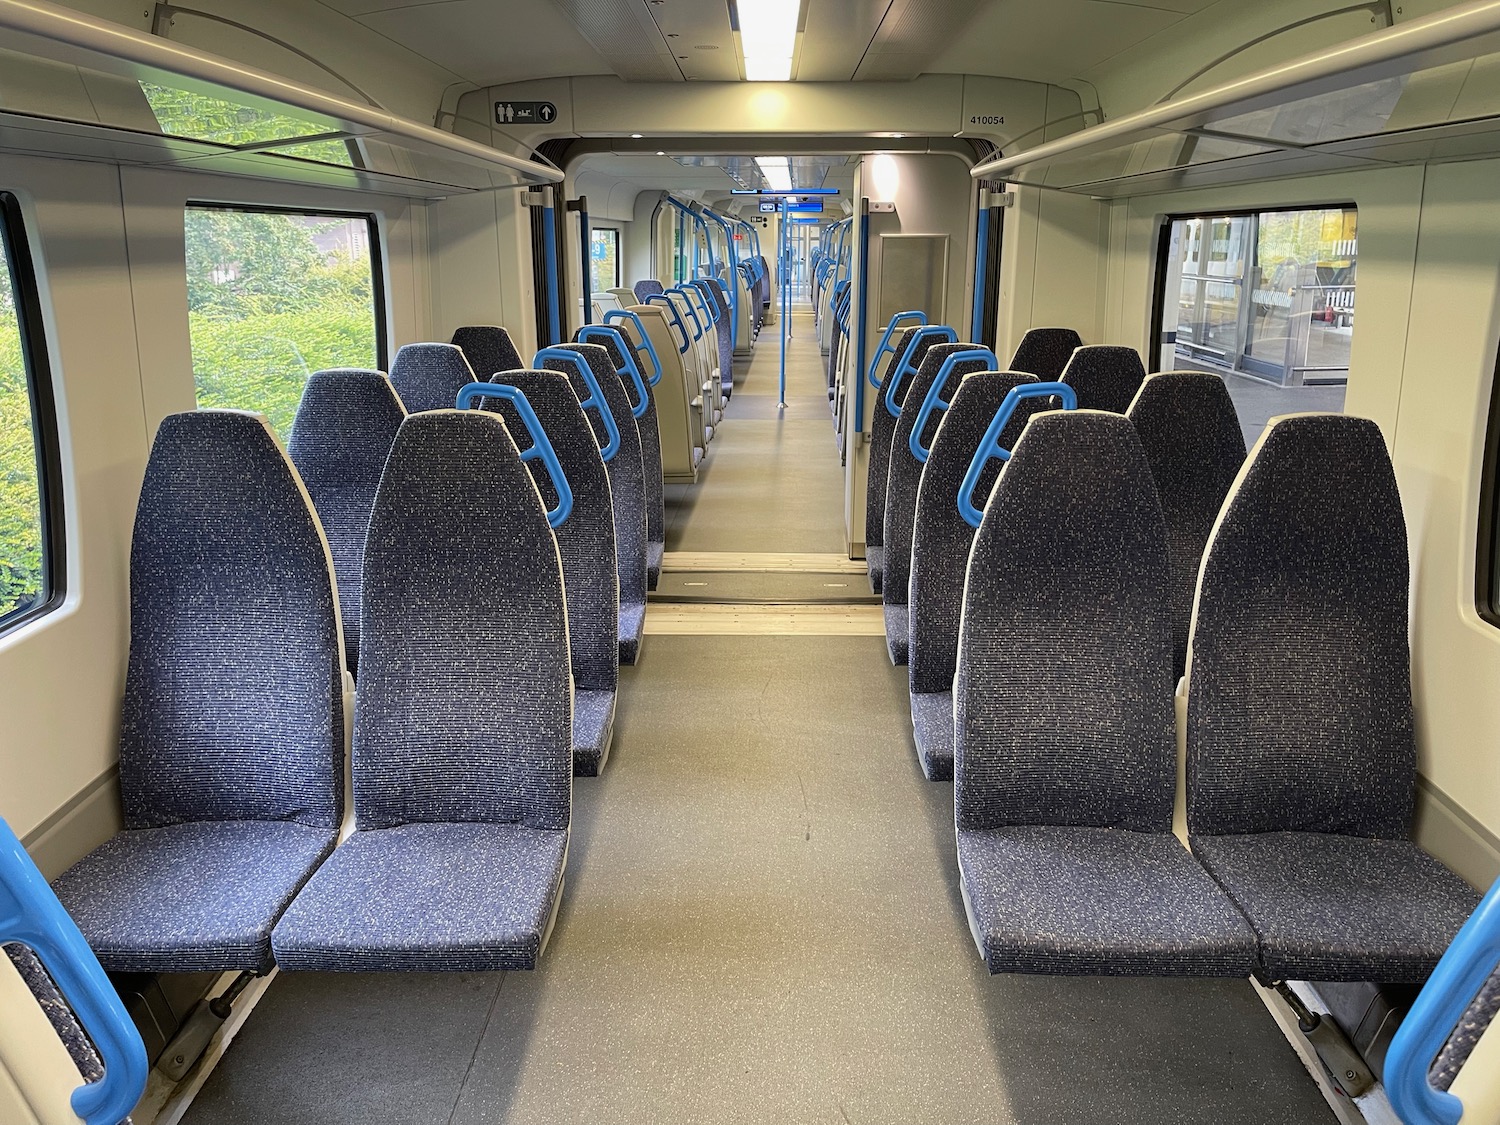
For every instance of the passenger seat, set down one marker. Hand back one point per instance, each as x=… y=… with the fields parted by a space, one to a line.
x=1104 y=376
x=1044 y=352
x=488 y=349
x=429 y=376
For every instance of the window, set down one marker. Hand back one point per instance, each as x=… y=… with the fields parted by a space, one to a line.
x=1487 y=572
x=274 y=296
x=1265 y=299
x=604 y=253
x=184 y=113
x=31 y=572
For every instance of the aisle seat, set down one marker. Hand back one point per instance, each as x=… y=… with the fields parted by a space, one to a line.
x=681 y=426
x=345 y=425
x=1044 y=352
x=905 y=359
x=713 y=289
x=429 y=376
x=942 y=367
x=1065 y=757
x=488 y=349
x=1104 y=376
x=940 y=544
x=1301 y=749
x=462 y=758
x=1193 y=442
x=692 y=372
x=586 y=544
x=592 y=369
x=232 y=729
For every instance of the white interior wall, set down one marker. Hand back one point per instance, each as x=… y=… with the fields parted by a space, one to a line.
x=1053 y=267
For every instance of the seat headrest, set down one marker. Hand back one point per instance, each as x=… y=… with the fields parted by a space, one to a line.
x=429 y=376
x=346 y=414
x=1044 y=352
x=647 y=288
x=1105 y=376
x=488 y=348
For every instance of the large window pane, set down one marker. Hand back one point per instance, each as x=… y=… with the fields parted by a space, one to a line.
x=185 y=113
x=274 y=296
x=604 y=254
x=25 y=564
x=1265 y=299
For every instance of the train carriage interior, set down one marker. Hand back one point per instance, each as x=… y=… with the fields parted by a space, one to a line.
x=851 y=561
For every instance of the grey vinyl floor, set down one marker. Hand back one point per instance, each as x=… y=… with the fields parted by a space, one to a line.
x=761 y=924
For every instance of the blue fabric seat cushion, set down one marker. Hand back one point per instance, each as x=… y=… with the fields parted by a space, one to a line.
x=593 y=724
x=932 y=730
x=875 y=564
x=897 y=631
x=632 y=622
x=428 y=898
x=196 y=897
x=1340 y=908
x=1098 y=902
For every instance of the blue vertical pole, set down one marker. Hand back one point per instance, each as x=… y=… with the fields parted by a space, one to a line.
x=549 y=260
x=981 y=267
x=861 y=284
x=781 y=232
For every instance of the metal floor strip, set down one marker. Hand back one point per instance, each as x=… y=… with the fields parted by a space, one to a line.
x=712 y=619
x=765 y=562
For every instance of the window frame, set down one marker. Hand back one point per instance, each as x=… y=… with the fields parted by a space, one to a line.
x=377 y=258
x=44 y=429
x=614 y=233
x=1487 y=551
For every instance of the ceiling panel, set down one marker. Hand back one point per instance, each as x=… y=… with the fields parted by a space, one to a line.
x=625 y=35
x=835 y=35
x=912 y=34
x=698 y=35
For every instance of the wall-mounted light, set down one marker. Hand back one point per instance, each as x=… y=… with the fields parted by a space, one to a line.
x=777 y=170
x=768 y=38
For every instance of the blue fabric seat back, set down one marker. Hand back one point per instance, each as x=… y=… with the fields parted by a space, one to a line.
x=429 y=376
x=905 y=471
x=941 y=539
x=648 y=288
x=1194 y=445
x=1105 y=376
x=627 y=481
x=1044 y=352
x=882 y=427
x=1063 y=696
x=715 y=294
x=342 y=434
x=234 y=690
x=1299 y=675
x=488 y=348
x=649 y=429
x=586 y=539
x=464 y=711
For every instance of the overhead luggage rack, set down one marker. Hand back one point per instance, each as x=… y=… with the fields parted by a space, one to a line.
x=388 y=154
x=1405 y=95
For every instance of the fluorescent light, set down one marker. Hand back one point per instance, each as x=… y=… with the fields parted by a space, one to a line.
x=768 y=38
x=777 y=170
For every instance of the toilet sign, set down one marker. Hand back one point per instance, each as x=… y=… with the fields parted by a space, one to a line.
x=525 y=113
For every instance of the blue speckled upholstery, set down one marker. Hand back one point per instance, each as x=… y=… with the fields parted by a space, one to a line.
x=903 y=476
x=345 y=425
x=428 y=898
x=1064 y=752
x=1194 y=445
x=429 y=376
x=191 y=897
x=940 y=554
x=232 y=727
x=1105 y=376
x=715 y=293
x=1475 y=1022
x=488 y=348
x=462 y=760
x=627 y=484
x=586 y=542
x=1301 y=764
x=882 y=427
x=647 y=288
x=1044 y=352
x=650 y=433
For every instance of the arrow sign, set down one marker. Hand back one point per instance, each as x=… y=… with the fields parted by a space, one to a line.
x=525 y=113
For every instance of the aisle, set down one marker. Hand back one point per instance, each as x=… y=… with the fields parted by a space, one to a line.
x=761 y=922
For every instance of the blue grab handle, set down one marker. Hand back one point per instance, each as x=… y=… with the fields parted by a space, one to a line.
x=687 y=300
x=614 y=335
x=989 y=445
x=916 y=316
x=595 y=402
x=1455 y=982
x=665 y=301
x=31 y=915
x=938 y=334
x=540 y=445
x=934 y=399
x=634 y=318
x=710 y=308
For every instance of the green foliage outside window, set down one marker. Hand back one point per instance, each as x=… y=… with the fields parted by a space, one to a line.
x=21 y=564
x=273 y=297
x=182 y=113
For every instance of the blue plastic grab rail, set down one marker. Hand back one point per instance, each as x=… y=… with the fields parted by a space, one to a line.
x=938 y=334
x=989 y=445
x=711 y=307
x=684 y=292
x=666 y=302
x=596 y=400
x=635 y=319
x=1452 y=987
x=590 y=332
x=540 y=445
x=917 y=318
x=934 y=399
x=31 y=915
